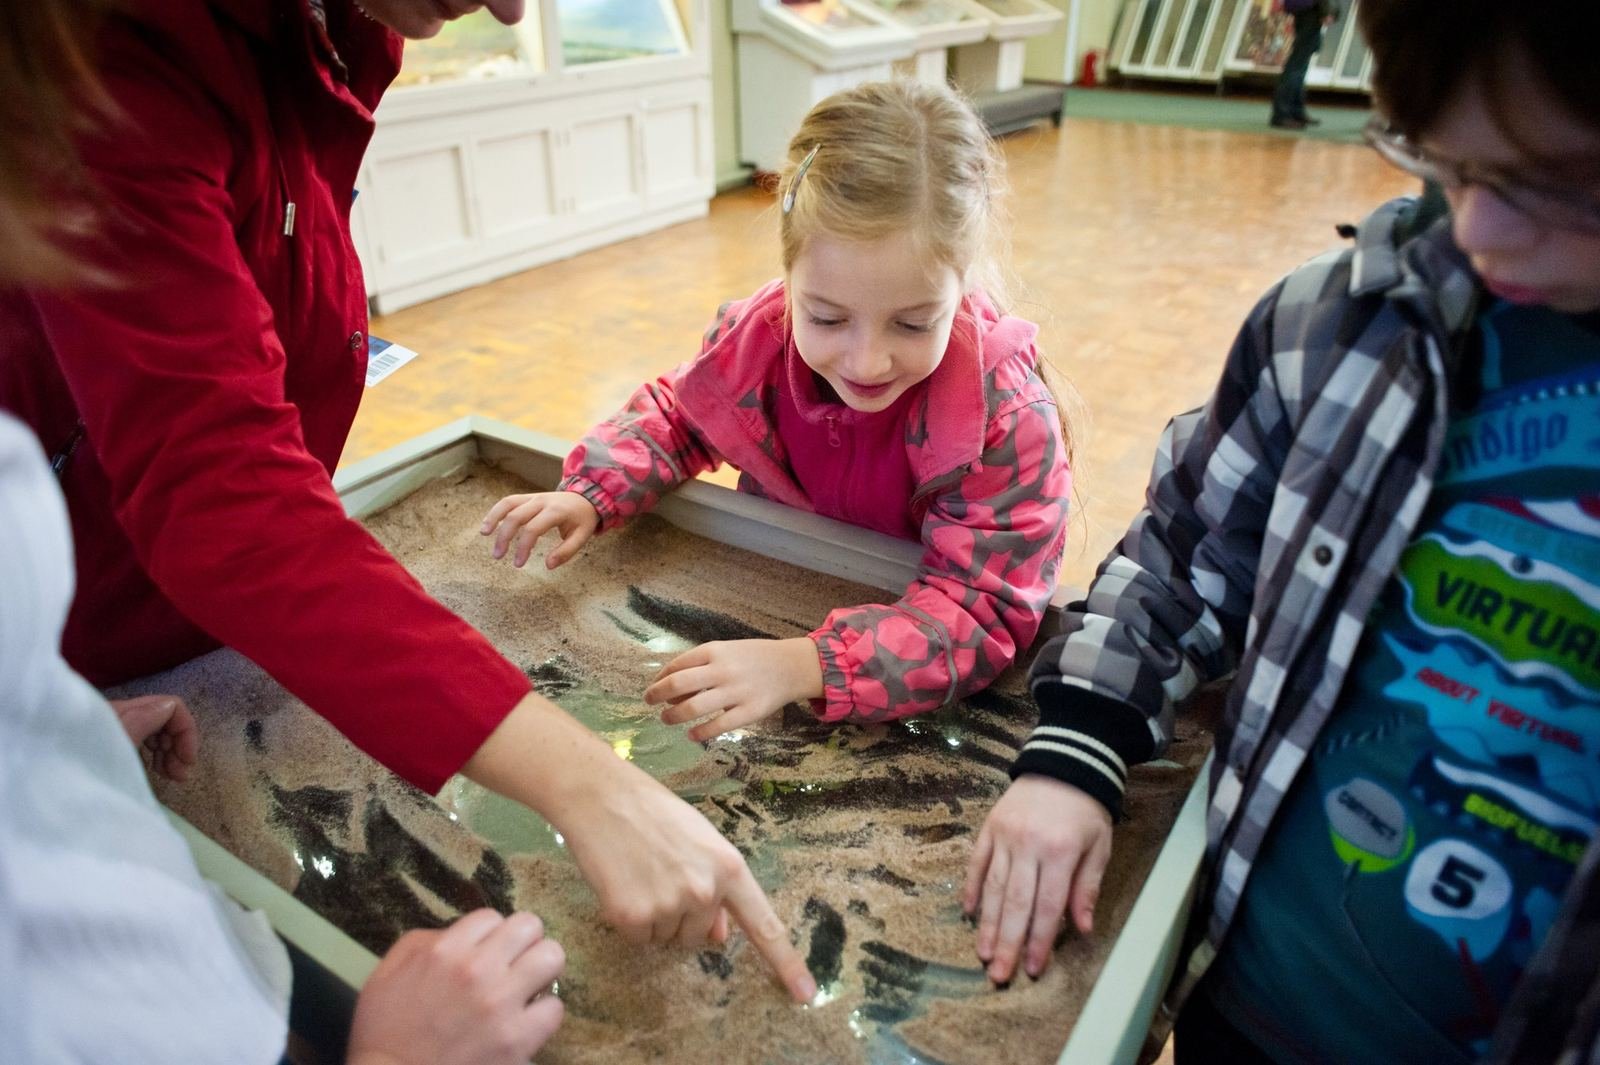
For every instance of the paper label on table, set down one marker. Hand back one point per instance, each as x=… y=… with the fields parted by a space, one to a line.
x=384 y=358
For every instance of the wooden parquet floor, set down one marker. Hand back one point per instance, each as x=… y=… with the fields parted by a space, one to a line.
x=1139 y=250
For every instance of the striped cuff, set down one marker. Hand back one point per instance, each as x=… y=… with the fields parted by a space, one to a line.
x=1087 y=740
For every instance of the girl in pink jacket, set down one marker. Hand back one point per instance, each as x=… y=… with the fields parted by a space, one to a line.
x=877 y=383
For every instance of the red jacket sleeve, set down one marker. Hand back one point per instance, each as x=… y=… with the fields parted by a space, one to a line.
x=178 y=374
x=624 y=465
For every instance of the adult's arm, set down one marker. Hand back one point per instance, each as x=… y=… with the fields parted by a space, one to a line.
x=178 y=374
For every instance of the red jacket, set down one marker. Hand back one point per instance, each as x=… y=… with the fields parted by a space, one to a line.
x=990 y=488
x=217 y=378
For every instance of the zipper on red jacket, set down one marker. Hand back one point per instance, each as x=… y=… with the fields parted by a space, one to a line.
x=833 y=430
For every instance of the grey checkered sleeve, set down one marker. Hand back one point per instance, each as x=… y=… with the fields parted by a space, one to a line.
x=1168 y=609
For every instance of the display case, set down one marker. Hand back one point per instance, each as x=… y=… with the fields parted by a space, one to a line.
x=994 y=65
x=346 y=858
x=938 y=25
x=1210 y=40
x=475 y=47
x=791 y=55
x=609 y=31
x=500 y=148
x=1180 y=40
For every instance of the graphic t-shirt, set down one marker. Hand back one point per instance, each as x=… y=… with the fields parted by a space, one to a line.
x=1423 y=850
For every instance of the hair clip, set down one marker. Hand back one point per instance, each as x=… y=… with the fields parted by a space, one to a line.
x=794 y=182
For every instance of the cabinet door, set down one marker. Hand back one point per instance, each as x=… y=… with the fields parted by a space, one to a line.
x=605 y=161
x=1159 y=58
x=1325 y=63
x=1145 y=16
x=419 y=204
x=1200 y=19
x=517 y=186
x=676 y=134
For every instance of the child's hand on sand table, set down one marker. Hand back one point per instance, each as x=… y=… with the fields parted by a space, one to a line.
x=525 y=518
x=1044 y=844
x=476 y=993
x=163 y=724
x=736 y=682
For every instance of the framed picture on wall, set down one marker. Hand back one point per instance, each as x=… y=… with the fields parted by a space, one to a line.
x=1264 y=39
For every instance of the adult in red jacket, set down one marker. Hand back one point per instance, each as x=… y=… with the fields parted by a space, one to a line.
x=197 y=392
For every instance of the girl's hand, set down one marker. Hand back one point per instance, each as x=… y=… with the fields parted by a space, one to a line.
x=163 y=724
x=739 y=682
x=1044 y=843
x=476 y=993
x=525 y=518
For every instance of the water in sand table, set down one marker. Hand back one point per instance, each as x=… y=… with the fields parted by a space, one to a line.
x=859 y=833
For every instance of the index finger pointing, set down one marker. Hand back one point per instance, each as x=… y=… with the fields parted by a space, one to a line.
x=750 y=909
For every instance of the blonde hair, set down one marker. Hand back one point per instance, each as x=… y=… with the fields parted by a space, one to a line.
x=888 y=157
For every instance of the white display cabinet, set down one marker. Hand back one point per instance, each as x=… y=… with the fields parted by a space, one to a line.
x=792 y=55
x=500 y=148
x=994 y=65
x=939 y=25
x=1210 y=40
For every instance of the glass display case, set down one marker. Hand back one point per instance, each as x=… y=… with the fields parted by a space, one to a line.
x=790 y=55
x=475 y=47
x=1010 y=19
x=829 y=16
x=831 y=34
x=995 y=64
x=503 y=147
x=1181 y=39
x=925 y=13
x=938 y=25
x=604 y=31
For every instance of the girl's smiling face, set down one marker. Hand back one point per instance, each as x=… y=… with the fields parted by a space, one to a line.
x=872 y=318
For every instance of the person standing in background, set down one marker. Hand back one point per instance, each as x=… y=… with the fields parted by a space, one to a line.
x=1289 y=99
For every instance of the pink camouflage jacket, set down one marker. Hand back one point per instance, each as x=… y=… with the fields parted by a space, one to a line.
x=992 y=486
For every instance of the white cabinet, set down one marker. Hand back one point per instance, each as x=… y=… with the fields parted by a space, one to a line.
x=677 y=153
x=791 y=55
x=471 y=180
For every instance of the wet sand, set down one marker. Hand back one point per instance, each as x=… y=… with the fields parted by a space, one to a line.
x=860 y=834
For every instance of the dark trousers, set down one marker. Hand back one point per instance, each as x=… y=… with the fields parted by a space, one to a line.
x=1290 y=99
x=1205 y=1037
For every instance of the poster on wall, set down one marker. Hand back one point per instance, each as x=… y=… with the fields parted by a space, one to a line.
x=1264 y=40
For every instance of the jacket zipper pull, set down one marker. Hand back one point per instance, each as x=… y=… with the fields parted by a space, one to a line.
x=833 y=430
x=288 y=219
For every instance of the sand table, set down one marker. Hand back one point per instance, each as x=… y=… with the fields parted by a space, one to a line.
x=859 y=834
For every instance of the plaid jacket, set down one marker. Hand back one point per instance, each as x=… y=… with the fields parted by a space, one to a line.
x=1275 y=515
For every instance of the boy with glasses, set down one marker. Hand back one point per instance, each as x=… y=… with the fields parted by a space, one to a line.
x=1383 y=532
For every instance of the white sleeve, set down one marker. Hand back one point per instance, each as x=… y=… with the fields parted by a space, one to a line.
x=112 y=947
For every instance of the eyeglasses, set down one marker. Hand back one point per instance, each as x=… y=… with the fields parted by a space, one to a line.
x=1555 y=206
